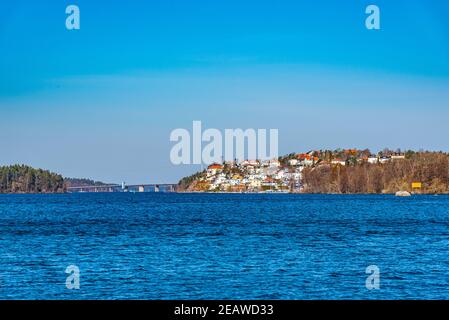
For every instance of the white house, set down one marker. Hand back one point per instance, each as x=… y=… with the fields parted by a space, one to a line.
x=274 y=163
x=398 y=157
x=213 y=169
x=373 y=160
x=279 y=175
x=234 y=182
x=384 y=159
x=338 y=162
x=220 y=179
x=255 y=183
x=265 y=163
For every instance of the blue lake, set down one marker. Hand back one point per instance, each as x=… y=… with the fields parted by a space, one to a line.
x=223 y=246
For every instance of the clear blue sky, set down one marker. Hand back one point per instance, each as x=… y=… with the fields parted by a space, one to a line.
x=101 y=102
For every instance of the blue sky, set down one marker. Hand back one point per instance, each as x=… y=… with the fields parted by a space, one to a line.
x=100 y=102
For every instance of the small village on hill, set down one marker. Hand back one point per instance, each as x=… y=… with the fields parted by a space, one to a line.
x=326 y=171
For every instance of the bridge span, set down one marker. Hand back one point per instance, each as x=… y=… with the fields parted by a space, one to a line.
x=155 y=187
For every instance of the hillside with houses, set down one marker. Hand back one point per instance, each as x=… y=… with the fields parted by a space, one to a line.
x=328 y=171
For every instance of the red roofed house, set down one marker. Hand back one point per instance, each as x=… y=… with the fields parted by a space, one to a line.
x=213 y=169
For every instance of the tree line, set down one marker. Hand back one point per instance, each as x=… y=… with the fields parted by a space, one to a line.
x=82 y=182
x=429 y=168
x=25 y=179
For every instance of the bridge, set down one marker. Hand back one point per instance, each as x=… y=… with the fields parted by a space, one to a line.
x=160 y=187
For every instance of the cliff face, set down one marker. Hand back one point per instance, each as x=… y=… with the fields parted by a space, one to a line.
x=429 y=168
x=190 y=183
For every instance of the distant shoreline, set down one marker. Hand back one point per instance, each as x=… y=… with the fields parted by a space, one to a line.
x=219 y=192
x=341 y=171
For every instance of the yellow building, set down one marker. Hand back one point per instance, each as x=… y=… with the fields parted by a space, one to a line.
x=416 y=185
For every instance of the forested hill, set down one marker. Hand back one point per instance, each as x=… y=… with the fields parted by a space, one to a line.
x=430 y=169
x=77 y=182
x=25 y=179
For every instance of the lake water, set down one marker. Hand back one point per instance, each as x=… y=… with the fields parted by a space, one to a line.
x=223 y=246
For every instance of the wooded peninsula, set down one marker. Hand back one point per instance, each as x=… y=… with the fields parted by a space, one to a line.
x=25 y=179
x=341 y=171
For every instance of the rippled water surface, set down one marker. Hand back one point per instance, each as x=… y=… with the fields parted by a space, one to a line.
x=223 y=246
